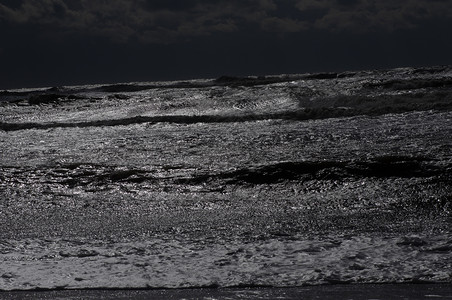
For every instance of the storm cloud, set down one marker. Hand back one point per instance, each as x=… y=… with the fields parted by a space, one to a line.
x=52 y=42
x=371 y=15
x=147 y=21
x=174 y=21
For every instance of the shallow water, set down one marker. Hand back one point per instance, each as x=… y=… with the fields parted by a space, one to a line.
x=355 y=291
x=179 y=262
x=287 y=181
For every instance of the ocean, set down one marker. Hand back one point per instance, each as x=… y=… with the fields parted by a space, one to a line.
x=274 y=181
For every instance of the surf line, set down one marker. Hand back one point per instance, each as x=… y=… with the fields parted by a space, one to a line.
x=177 y=119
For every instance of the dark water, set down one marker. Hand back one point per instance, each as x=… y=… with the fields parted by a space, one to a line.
x=273 y=181
x=326 y=292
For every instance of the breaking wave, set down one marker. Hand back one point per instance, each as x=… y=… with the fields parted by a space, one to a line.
x=334 y=107
x=237 y=99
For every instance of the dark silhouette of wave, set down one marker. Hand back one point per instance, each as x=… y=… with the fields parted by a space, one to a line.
x=233 y=81
x=99 y=175
x=432 y=70
x=412 y=84
x=37 y=97
x=363 y=104
x=385 y=166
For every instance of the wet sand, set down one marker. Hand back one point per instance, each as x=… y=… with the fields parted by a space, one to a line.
x=352 y=291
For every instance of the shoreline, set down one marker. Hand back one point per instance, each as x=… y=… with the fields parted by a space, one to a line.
x=339 y=291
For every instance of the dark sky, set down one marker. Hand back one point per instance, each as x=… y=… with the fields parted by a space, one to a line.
x=63 y=42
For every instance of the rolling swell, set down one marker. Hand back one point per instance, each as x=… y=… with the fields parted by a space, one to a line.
x=234 y=99
x=178 y=119
x=336 y=107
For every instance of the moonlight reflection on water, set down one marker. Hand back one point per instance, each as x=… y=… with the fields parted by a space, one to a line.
x=275 y=181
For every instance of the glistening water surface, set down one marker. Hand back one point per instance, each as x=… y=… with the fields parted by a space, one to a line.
x=278 y=181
